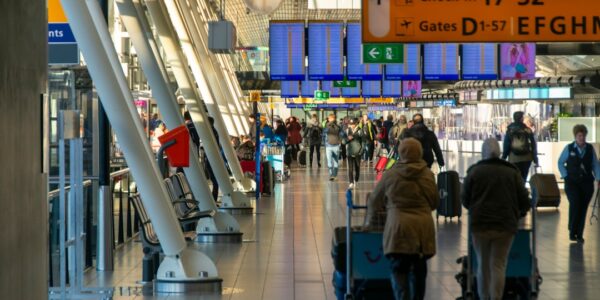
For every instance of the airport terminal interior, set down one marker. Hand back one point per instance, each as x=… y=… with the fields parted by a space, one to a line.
x=300 y=149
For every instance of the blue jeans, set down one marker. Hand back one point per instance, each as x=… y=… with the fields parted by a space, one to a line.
x=333 y=156
x=409 y=274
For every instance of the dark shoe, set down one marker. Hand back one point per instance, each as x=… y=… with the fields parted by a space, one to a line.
x=572 y=237
x=319 y=166
x=331 y=178
x=580 y=240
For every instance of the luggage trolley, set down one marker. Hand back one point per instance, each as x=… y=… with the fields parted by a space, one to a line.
x=274 y=153
x=367 y=269
x=523 y=279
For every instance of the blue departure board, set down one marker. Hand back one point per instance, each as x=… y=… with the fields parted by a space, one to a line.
x=371 y=88
x=391 y=88
x=356 y=70
x=441 y=62
x=325 y=51
x=309 y=87
x=333 y=91
x=290 y=89
x=479 y=61
x=352 y=92
x=286 y=51
x=410 y=69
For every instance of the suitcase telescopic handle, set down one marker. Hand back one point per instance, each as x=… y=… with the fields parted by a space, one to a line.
x=536 y=168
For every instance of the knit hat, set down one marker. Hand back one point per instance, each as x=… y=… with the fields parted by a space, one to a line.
x=490 y=149
x=410 y=150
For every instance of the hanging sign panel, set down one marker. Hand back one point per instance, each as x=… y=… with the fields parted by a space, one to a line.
x=290 y=89
x=420 y=21
x=410 y=69
x=356 y=70
x=480 y=61
x=286 y=50
x=325 y=47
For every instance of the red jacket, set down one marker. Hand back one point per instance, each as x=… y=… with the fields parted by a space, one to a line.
x=294 y=135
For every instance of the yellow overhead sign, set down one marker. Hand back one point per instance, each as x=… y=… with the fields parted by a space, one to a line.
x=430 y=21
x=55 y=12
x=255 y=96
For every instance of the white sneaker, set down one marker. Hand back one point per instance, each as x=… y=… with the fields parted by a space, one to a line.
x=351 y=186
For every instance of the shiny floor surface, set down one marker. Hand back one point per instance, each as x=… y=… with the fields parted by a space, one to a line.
x=286 y=253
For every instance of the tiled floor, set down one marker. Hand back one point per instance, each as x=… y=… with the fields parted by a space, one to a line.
x=286 y=252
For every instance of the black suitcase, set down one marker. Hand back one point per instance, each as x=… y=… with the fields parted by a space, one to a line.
x=544 y=190
x=302 y=158
x=449 y=189
x=268 y=178
x=338 y=249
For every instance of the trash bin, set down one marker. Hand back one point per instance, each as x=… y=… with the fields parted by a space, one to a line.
x=179 y=153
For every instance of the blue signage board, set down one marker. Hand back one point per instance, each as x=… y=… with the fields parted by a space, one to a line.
x=328 y=87
x=351 y=92
x=323 y=106
x=410 y=69
x=325 y=51
x=441 y=62
x=355 y=69
x=480 y=61
x=391 y=88
x=60 y=33
x=286 y=51
x=371 y=89
x=309 y=87
x=290 y=89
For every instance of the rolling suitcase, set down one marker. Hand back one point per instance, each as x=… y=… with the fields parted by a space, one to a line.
x=544 y=190
x=267 y=178
x=302 y=158
x=449 y=189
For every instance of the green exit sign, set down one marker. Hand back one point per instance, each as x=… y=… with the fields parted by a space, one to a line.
x=383 y=53
x=321 y=95
x=344 y=83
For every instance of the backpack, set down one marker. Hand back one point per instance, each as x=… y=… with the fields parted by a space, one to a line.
x=314 y=133
x=520 y=143
x=382 y=135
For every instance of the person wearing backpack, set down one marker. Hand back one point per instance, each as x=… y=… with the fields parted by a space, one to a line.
x=354 y=150
x=313 y=134
x=396 y=131
x=519 y=145
x=333 y=135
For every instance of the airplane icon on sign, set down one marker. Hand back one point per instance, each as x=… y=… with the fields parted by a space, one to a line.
x=405 y=23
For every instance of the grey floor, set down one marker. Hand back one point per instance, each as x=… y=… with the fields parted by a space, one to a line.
x=286 y=252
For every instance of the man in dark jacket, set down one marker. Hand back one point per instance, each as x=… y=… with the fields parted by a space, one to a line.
x=354 y=149
x=313 y=134
x=496 y=198
x=369 y=134
x=428 y=140
x=519 y=145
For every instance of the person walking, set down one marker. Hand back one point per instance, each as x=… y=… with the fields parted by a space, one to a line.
x=428 y=140
x=579 y=167
x=519 y=145
x=313 y=134
x=408 y=193
x=333 y=135
x=396 y=131
x=354 y=149
x=294 y=136
x=369 y=135
x=496 y=198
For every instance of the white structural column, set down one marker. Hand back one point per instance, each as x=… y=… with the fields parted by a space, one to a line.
x=155 y=71
x=91 y=32
x=215 y=81
x=232 y=198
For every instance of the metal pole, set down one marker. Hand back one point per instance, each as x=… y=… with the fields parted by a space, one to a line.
x=104 y=247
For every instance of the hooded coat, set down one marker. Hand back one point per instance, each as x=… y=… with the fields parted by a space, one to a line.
x=429 y=142
x=408 y=193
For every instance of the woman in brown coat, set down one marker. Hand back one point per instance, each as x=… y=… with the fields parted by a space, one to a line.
x=408 y=193
x=294 y=136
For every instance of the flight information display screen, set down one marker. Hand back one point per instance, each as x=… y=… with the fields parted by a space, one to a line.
x=411 y=88
x=391 y=88
x=309 y=87
x=328 y=87
x=356 y=70
x=371 y=88
x=325 y=51
x=480 y=61
x=286 y=51
x=441 y=62
x=290 y=89
x=351 y=92
x=410 y=69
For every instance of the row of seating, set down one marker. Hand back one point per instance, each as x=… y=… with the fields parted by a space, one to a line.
x=187 y=212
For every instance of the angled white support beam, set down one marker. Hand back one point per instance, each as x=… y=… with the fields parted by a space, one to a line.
x=90 y=30
x=208 y=82
x=154 y=69
x=179 y=58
